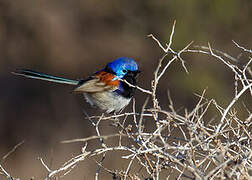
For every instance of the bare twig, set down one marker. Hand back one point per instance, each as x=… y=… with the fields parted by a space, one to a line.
x=180 y=141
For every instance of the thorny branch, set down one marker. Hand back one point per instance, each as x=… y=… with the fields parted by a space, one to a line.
x=2 y=170
x=219 y=148
x=185 y=145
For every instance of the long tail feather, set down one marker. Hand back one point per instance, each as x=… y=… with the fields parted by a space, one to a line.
x=37 y=75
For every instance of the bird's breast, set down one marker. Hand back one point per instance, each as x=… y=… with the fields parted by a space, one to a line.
x=108 y=101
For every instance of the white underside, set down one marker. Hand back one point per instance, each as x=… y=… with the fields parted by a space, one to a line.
x=107 y=101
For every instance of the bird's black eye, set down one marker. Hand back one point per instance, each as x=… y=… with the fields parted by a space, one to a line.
x=124 y=71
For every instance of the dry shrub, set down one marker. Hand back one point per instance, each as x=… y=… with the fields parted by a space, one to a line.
x=180 y=145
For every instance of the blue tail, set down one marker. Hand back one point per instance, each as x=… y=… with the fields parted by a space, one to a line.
x=37 y=75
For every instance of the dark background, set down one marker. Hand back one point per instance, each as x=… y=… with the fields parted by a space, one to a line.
x=76 y=38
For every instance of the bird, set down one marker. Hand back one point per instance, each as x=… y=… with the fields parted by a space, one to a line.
x=105 y=89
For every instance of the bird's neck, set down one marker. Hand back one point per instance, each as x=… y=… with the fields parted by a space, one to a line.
x=109 y=70
x=124 y=89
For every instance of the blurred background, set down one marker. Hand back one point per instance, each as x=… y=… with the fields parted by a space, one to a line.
x=76 y=38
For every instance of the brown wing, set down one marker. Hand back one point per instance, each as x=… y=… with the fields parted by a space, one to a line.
x=102 y=81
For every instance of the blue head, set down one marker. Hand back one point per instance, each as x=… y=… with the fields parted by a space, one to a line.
x=122 y=66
